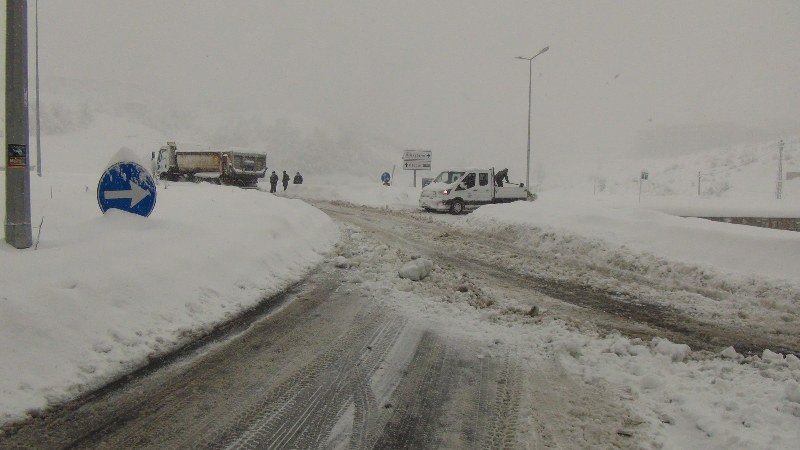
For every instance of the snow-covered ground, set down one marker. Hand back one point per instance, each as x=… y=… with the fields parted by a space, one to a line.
x=104 y=293
x=340 y=188
x=686 y=399
x=679 y=398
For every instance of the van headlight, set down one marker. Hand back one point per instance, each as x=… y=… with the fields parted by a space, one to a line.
x=446 y=192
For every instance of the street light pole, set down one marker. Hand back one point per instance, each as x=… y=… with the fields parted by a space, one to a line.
x=530 y=84
x=38 y=112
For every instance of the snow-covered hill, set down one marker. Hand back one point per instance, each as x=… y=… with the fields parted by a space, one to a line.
x=85 y=122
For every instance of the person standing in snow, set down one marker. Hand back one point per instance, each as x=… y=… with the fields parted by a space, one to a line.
x=298 y=179
x=285 y=180
x=500 y=176
x=273 y=182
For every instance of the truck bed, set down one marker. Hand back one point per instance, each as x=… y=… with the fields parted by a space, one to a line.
x=194 y=162
x=510 y=192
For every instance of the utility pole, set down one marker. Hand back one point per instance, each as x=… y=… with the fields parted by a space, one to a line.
x=38 y=114
x=779 y=186
x=18 y=179
x=530 y=84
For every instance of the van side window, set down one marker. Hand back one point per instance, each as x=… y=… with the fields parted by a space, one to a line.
x=469 y=180
x=483 y=178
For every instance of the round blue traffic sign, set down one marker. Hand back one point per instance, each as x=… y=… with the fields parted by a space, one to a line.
x=127 y=186
x=385 y=177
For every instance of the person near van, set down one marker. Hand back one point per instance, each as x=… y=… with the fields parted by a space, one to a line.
x=500 y=176
x=273 y=182
x=298 y=179
x=285 y=180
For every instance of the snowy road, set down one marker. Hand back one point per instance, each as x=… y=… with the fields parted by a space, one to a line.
x=355 y=357
x=573 y=290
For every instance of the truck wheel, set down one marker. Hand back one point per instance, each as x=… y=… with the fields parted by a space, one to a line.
x=457 y=207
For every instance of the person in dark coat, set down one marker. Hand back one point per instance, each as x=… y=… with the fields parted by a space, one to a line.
x=273 y=182
x=298 y=179
x=500 y=176
x=285 y=180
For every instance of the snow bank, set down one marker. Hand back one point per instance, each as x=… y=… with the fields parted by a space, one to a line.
x=728 y=248
x=687 y=403
x=103 y=293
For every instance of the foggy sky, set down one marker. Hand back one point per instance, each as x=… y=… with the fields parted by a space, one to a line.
x=442 y=75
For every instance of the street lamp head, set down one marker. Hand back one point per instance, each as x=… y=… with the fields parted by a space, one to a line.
x=520 y=57
x=545 y=49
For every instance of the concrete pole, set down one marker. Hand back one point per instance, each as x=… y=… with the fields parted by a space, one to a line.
x=18 y=181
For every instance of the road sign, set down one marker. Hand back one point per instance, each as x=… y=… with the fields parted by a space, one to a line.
x=127 y=186
x=385 y=177
x=417 y=165
x=417 y=155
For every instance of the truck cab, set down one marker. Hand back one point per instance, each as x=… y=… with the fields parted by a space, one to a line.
x=459 y=190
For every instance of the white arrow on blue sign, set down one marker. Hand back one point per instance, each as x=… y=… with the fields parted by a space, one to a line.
x=127 y=186
x=385 y=177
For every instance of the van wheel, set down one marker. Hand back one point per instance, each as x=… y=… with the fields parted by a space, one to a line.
x=457 y=207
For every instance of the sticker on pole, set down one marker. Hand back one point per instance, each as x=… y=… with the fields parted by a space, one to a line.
x=17 y=156
x=127 y=186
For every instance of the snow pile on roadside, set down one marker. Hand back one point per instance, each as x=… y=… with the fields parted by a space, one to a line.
x=726 y=247
x=754 y=269
x=103 y=293
x=716 y=402
x=677 y=398
x=370 y=194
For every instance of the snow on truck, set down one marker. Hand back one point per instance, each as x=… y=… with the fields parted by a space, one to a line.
x=221 y=167
x=457 y=190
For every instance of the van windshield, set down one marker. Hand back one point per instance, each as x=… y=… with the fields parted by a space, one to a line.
x=448 y=177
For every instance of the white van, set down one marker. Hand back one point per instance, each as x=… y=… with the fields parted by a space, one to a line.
x=457 y=190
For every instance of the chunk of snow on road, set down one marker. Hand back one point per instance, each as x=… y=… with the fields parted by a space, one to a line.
x=417 y=269
x=676 y=352
x=729 y=353
x=793 y=391
x=341 y=262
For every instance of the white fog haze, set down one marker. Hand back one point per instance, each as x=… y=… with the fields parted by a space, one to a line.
x=621 y=79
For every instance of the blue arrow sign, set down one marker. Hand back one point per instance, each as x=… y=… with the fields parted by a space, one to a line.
x=127 y=186
x=385 y=177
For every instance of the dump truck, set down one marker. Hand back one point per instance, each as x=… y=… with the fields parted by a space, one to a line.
x=220 y=167
x=458 y=190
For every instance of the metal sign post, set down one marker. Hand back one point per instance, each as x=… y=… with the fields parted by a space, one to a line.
x=417 y=160
x=18 y=178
